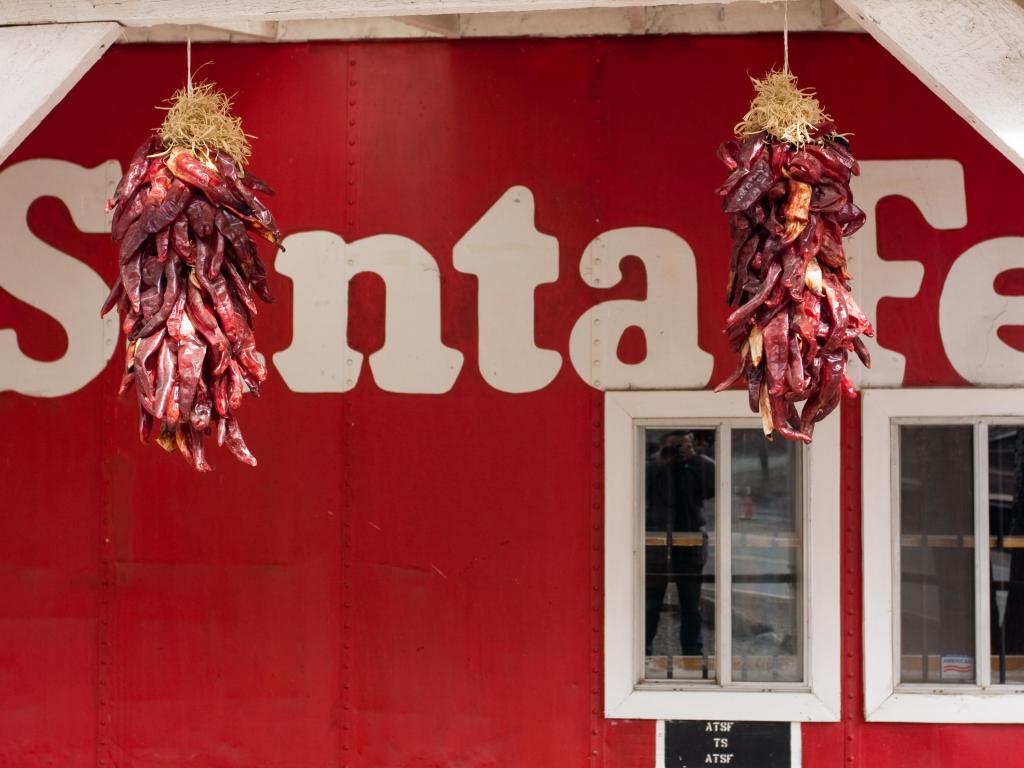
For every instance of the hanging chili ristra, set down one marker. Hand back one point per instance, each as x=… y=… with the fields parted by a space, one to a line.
x=790 y=206
x=184 y=216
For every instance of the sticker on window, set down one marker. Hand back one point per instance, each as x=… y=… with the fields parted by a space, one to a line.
x=958 y=668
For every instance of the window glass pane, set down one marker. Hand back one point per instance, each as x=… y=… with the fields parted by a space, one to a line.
x=679 y=575
x=767 y=603
x=936 y=509
x=1006 y=553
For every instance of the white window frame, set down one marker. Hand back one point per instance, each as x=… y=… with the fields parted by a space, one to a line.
x=625 y=693
x=885 y=699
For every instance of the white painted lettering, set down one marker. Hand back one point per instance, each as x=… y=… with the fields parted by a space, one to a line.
x=667 y=317
x=937 y=188
x=971 y=312
x=413 y=359
x=52 y=281
x=510 y=258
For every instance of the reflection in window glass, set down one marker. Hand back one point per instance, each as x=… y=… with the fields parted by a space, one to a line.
x=679 y=576
x=767 y=606
x=936 y=554
x=1006 y=552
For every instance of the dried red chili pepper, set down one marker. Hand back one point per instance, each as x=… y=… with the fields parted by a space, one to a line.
x=795 y=321
x=188 y=275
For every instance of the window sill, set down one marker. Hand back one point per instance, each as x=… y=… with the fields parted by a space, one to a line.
x=975 y=707
x=771 y=706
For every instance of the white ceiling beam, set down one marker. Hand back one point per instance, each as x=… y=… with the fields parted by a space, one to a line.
x=349 y=29
x=40 y=64
x=747 y=16
x=833 y=15
x=144 y=13
x=443 y=24
x=969 y=52
x=238 y=32
x=263 y=30
x=637 y=19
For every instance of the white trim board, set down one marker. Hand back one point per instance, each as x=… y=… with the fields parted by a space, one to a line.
x=40 y=65
x=820 y=701
x=966 y=51
x=746 y=17
x=142 y=13
x=884 y=701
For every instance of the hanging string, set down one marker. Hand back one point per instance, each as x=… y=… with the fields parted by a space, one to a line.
x=188 y=60
x=785 y=36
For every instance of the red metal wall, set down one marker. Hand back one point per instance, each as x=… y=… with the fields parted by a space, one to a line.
x=414 y=580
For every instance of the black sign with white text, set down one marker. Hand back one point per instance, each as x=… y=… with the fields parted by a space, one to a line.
x=699 y=743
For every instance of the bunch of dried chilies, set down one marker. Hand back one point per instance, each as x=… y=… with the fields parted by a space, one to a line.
x=184 y=216
x=789 y=204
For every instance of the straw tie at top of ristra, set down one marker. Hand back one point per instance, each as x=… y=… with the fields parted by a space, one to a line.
x=185 y=214
x=789 y=204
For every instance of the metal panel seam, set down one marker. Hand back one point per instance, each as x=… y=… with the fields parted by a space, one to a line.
x=347 y=632
x=597 y=722
x=105 y=572
x=850 y=560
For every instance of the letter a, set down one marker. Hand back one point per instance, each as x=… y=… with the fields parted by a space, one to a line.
x=667 y=317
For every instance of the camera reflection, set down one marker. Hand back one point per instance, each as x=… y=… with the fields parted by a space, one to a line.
x=680 y=477
x=765 y=606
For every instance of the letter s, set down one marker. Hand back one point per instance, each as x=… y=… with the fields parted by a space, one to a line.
x=52 y=281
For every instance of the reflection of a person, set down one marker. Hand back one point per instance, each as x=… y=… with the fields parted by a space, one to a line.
x=677 y=482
